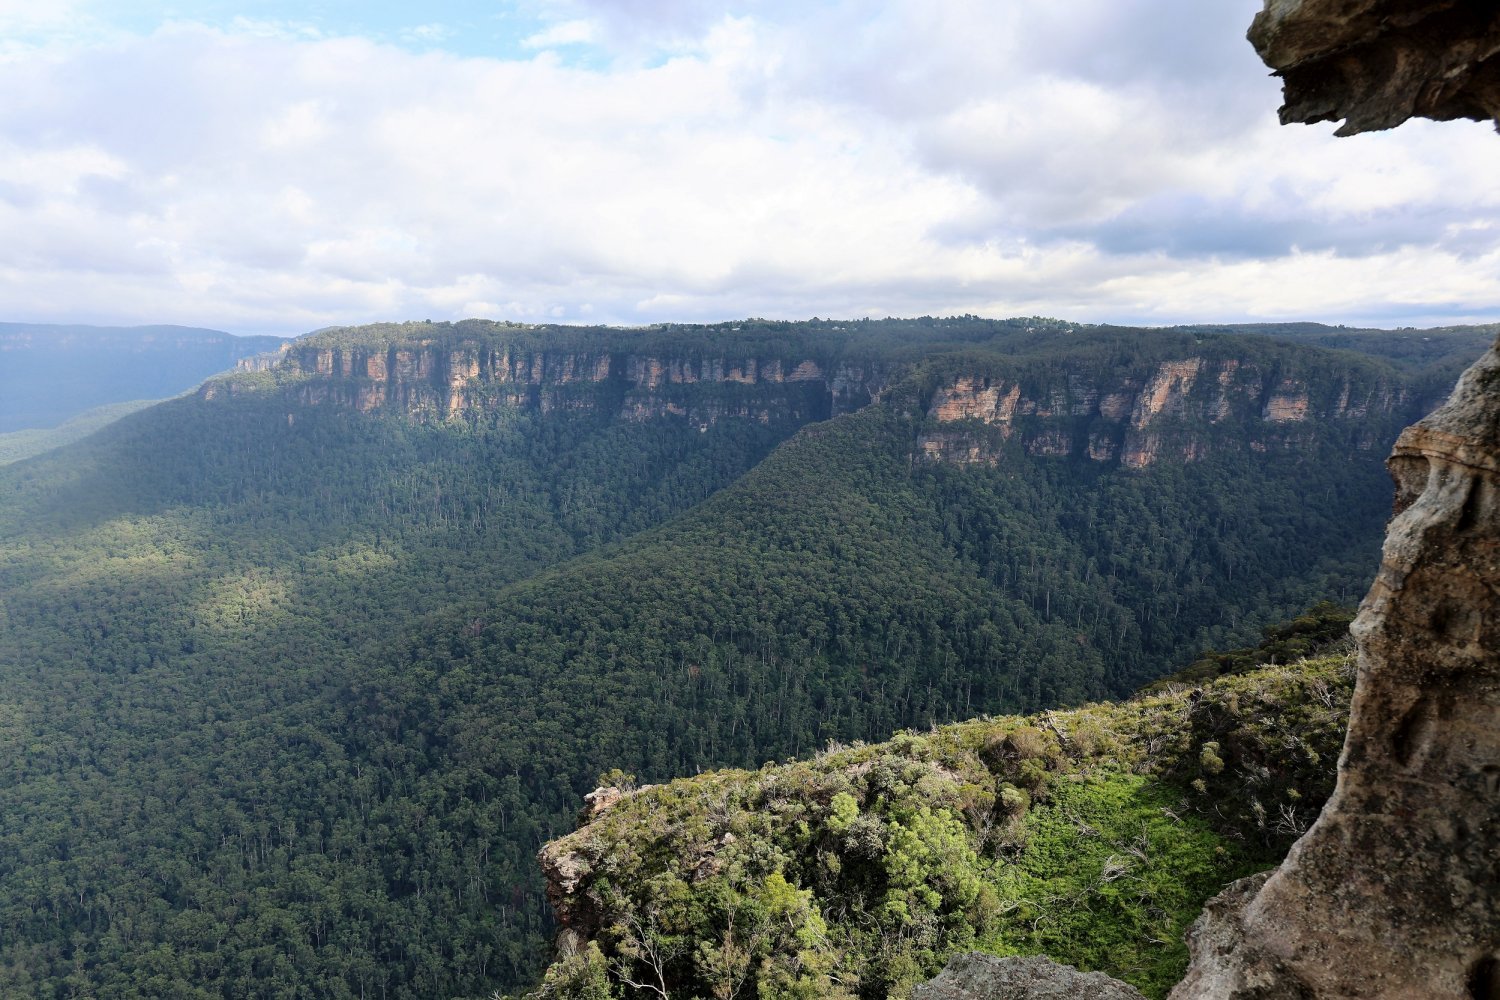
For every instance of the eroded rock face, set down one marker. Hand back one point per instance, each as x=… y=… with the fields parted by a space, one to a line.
x=1152 y=413
x=1395 y=891
x=1376 y=63
x=448 y=381
x=974 y=976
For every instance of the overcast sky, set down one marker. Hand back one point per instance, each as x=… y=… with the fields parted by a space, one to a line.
x=273 y=167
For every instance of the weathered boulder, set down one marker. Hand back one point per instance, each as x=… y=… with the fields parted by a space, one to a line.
x=973 y=976
x=1395 y=891
x=601 y=800
x=1376 y=63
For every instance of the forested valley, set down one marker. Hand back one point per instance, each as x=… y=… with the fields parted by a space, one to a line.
x=295 y=689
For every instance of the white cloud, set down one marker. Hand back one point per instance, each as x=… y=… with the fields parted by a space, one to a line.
x=431 y=34
x=57 y=171
x=301 y=124
x=581 y=31
x=29 y=16
x=790 y=161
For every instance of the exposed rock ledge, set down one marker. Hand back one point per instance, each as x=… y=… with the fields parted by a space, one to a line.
x=1376 y=63
x=974 y=976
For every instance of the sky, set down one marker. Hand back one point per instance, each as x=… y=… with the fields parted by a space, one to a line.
x=276 y=167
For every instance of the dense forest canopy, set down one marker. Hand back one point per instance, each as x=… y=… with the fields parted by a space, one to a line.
x=296 y=690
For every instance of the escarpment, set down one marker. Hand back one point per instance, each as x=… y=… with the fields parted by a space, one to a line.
x=1180 y=409
x=995 y=392
x=452 y=379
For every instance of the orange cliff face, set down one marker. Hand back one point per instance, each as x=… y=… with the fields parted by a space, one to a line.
x=433 y=382
x=1177 y=410
x=976 y=399
x=1167 y=393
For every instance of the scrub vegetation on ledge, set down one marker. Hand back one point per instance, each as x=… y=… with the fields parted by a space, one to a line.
x=1093 y=836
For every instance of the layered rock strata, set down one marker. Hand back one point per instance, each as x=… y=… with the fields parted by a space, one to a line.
x=447 y=382
x=1135 y=413
x=1167 y=410
x=1376 y=63
x=1395 y=891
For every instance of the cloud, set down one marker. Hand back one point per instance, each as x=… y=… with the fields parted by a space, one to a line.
x=429 y=34
x=1112 y=162
x=581 y=31
x=643 y=31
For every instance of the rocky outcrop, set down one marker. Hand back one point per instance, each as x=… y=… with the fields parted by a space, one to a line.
x=1167 y=393
x=263 y=362
x=565 y=871
x=1288 y=404
x=955 y=448
x=1376 y=63
x=1395 y=891
x=975 y=976
x=1166 y=411
x=973 y=398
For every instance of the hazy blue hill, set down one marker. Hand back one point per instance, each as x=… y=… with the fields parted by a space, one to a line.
x=17 y=445
x=50 y=373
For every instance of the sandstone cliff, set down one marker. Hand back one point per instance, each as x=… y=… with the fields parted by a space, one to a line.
x=454 y=379
x=1126 y=398
x=1181 y=409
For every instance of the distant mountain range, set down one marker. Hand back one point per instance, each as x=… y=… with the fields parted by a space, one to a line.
x=50 y=374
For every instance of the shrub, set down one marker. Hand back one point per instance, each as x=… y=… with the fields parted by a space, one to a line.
x=1015 y=801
